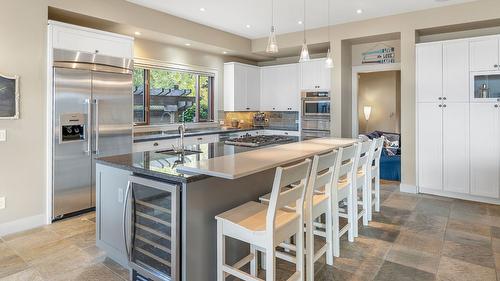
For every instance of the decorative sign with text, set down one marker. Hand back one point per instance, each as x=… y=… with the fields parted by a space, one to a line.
x=383 y=55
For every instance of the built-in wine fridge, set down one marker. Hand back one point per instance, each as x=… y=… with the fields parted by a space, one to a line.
x=151 y=229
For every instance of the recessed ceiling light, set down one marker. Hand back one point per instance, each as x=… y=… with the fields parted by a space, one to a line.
x=224 y=52
x=137 y=33
x=300 y=22
x=188 y=44
x=359 y=11
x=248 y=26
x=202 y=9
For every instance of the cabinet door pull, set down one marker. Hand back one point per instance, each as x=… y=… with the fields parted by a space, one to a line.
x=199 y=138
x=444 y=105
x=496 y=105
x=440 y=105
x=444 y=98
x=155 y=144
x=440 y=98
x=496 y=65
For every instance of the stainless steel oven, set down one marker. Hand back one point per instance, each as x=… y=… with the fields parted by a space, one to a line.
x=315 y=104
x=313 y=134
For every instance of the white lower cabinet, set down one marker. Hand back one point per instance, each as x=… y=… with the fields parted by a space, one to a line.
x=456 y=147
x=430 y=146
x=485 y=149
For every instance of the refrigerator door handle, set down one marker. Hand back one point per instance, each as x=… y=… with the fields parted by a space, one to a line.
x=88 y=132
x=96 y=102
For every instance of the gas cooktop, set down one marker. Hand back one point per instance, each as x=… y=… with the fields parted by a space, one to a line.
x=255 y=141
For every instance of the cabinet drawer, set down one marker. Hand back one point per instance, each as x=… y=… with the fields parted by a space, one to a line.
x=201 y=139
x=92 y=42
x=154 y=145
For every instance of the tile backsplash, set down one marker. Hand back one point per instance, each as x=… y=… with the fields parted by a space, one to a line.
x=286 y=120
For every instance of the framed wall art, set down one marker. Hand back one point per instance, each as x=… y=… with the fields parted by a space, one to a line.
x=9 y=97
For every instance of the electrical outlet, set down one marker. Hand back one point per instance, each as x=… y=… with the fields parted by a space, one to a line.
x=2 y=203
x=3 y=135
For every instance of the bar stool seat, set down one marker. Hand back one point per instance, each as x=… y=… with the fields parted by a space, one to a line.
x=251 y=217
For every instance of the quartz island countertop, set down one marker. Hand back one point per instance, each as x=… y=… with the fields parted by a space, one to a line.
x=164 y=166
x=234 y=166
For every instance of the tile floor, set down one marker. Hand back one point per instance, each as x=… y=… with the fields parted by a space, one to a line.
x=414 y=237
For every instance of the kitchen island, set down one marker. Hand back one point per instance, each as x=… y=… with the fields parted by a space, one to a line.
x=170 y=201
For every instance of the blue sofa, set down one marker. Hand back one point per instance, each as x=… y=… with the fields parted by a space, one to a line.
x=390 y=165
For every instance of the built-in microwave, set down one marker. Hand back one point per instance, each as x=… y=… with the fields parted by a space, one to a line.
x=316 y=104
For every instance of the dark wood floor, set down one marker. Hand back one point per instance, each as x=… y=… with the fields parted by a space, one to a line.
x=414 y=237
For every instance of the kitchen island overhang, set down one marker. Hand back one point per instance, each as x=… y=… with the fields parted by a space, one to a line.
x=202 y=195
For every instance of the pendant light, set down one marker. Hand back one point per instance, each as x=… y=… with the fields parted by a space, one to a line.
x=304 y=54
x=272 y=43
x=329 y=60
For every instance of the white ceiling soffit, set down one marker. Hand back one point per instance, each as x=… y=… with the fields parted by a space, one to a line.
x=252 y=18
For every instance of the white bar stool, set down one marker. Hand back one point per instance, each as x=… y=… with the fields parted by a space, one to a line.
x=265 y=227
x=342 y=190
x=360 y=182
x=374 y=176
x=318 y=201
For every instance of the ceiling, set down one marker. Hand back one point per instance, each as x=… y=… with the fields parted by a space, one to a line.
x=252 y=18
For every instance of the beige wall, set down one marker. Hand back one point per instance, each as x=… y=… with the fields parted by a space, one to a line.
x=379 y=90
x=406 y=25
x=23 y=27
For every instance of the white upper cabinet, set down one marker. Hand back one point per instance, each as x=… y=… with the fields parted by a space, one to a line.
x=484 y=54
x=241 y=87
x=314 y=75
x=485 y=149
x=280 y=88
x=456 y=71
x=429 y=72
x=76 y=38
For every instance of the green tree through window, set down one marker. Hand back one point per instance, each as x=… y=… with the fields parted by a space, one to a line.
x=174 y=96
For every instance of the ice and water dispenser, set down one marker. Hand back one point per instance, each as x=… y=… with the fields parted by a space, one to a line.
x=72 y=127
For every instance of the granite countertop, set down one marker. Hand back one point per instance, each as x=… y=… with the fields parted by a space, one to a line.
x=153 y=136
x=163 y=166
x=234 y=166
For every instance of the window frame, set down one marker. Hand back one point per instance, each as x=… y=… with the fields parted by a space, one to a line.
x=197 y=74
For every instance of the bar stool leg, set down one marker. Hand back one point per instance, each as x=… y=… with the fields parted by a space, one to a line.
x=254 y=261
x=377 y=191
x=366 y=195
x=369 y=209
x=350 y=218
x=299 y=240
x=271 y=263
x=329 y=234
x=335 y=227
x=221 y=252
x=309 y=248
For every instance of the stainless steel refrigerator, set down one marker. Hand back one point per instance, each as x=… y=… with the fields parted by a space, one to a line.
x=92 y=117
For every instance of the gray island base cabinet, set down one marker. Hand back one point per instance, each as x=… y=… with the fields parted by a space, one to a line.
x=200 y=197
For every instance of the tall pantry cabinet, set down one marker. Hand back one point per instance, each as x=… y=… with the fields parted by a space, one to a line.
x=458 y=136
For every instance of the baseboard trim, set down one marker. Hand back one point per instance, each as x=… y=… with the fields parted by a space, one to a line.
x=22 y=224
x=455 y=195
x=407 y=188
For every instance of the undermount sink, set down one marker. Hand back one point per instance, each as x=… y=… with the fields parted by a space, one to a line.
x=178 y=153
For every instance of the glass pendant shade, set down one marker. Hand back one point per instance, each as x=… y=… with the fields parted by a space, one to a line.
x=304 y=54
x=329 y=60
x=272 y=44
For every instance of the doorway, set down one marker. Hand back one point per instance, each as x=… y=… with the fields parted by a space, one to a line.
x=379 y=107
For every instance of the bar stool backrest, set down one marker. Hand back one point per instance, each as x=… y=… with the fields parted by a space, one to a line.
x=322 y=171
x=345 y=164
x=363 y=155
x=282 y=197
x=379 y=145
